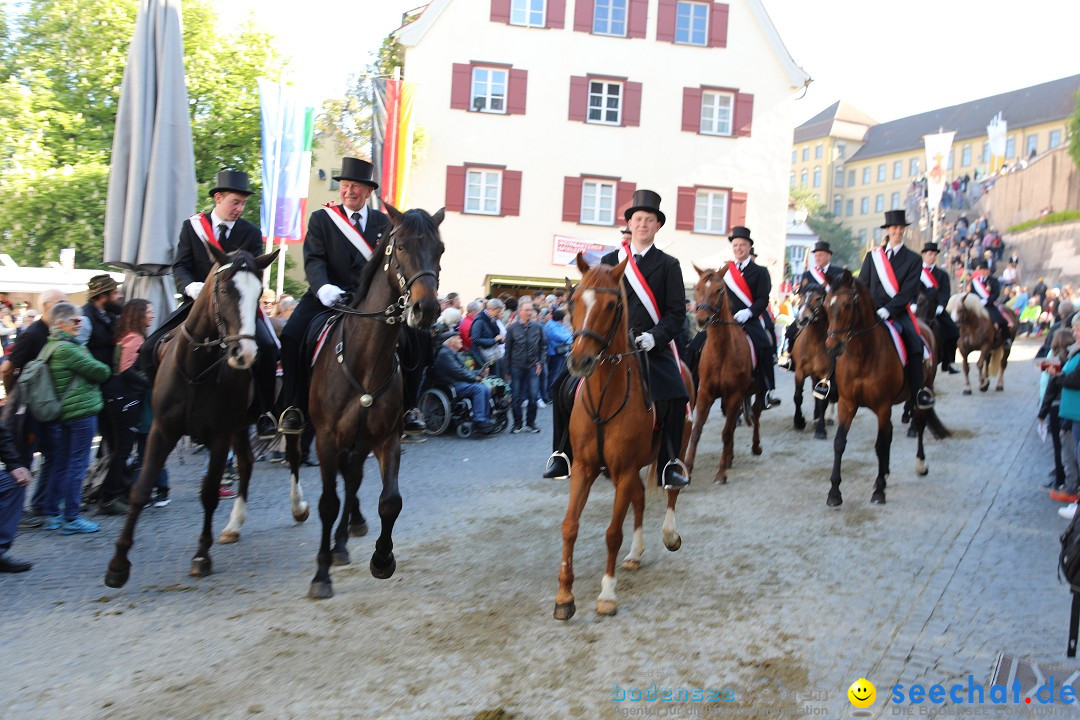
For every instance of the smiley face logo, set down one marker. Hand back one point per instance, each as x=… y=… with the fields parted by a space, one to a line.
x=862 y=693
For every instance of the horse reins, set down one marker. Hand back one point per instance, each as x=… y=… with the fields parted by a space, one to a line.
x=222 y=340
x=714 y=318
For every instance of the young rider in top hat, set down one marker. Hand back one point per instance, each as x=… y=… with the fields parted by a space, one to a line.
x=820 y=275
x=938 y=289
x=340 y=241
x=662 y=275
x=987 y=287
x=750 y=286
x=892 y=273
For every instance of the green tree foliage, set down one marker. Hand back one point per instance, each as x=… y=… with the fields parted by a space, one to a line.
x=1074 y=133
x=846 y=250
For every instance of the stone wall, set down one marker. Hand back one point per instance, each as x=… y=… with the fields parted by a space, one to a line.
x=1050 y=251
x=1051 y=182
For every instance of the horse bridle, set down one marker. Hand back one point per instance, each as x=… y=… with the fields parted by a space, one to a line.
x=604 y=340
x=393 y=313
x=222 y=340
x=714 y=318
x=815 y=314
x=851 y=331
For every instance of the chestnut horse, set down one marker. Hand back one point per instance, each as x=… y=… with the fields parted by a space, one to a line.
x=356 y=399
x=810 y=359
x=978 y=332
x=869 y=374
x=203 y=388
x=611 y=425
x=725 y=370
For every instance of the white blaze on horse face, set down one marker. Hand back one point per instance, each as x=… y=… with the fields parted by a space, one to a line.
x=589 y=298
x=250 y=288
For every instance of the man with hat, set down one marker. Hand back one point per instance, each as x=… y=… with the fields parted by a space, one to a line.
x=892 y=274
x=938 y=291
x=449 y=371
x=818 y=276
x=750 y=286
x=655 y=310
x=987 y=287
x=340 y=240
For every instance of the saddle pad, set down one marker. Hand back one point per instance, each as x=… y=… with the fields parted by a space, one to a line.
x=753 y=354
x=318 y=332
x=898 y=342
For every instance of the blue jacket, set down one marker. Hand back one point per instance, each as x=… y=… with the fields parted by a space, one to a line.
x=1070 y=389
x=558 y=335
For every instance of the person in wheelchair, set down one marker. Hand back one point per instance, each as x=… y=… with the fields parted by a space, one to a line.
x=449 y=371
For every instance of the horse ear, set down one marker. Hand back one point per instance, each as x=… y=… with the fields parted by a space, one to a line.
x=569 y=287
x=220 y=257
x=582 y=265
x=393 y=212
x=619 y=270
x=701 y=273
x=264 y=261
x=439 y=216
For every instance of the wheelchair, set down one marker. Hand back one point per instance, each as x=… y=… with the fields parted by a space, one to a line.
x=443 y=409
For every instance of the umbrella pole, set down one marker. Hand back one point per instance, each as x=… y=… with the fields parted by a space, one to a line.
x=281 y=267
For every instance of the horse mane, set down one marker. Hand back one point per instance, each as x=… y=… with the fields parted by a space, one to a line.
x=969 y=301
x=413 y=222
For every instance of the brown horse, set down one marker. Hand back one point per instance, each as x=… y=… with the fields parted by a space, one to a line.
x=611 y=425
x=811 y=360
x=978 y=332
x=203 y=388
x=725 y=370
x=869 y=374
x=356 y=393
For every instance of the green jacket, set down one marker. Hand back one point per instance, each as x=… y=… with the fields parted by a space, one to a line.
x=69 y=360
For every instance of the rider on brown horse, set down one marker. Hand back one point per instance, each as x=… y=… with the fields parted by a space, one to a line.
x=750 y=286
x=655 y=310
x=820 y=276
x=892 y=274
x=939 y=290
x=988 y=289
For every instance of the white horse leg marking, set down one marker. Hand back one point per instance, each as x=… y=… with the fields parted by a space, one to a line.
x=670 y=533
x=607 y=589
x=637 y=547
x=296 y=496
x=231 y=533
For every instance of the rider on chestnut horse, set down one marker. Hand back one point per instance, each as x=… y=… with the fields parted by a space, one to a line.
x=821 y=275
x=939 y=290
x=988 y=289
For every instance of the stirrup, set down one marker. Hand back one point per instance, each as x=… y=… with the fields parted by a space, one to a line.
x=822 y=389
x=681 y=466
x=284 y=430
x=565 y=458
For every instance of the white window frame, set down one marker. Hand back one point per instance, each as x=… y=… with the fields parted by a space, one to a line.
x=711 y=212
x=866 y=175
x=1055 y=139
x=478 y=182
x=610 y=9
x=897 y=169
x=604 y=96
x=681 y=8
x=710 y=100
x=881 y=172
x=486 y=82
x=526 y=11
x=593 y=211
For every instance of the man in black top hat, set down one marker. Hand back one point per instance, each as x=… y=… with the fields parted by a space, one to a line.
x=750 y=286
x=892 y=274
x=987 y=287
x=818 y=276
x=938 y=290
x=663 y=276
x=340 y=239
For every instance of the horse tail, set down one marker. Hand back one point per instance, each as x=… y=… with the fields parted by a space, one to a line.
x=995 y=360
x=937 y=428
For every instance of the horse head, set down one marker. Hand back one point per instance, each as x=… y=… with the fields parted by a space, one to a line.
x=710 y=297
x=964 y=304
x=597 y=312
x=233 y=299
x=415 y=249
x=849 y=309
x=813 y=308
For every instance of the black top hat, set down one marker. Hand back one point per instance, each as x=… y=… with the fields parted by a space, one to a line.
x=895 y=217
x=740 y=232
x=822 y=246
x=100 y=284
x=931 y=247
x=357 y=170
x=231 y=181
x=645 y=200
x=625 y=231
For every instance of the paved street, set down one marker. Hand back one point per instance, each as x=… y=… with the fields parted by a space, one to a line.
x=773 y=597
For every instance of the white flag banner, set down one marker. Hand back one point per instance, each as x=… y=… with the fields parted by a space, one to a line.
x=938 y=149
x=997 y=132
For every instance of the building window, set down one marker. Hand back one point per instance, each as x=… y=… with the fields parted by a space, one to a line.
x=817 y=177
x=898 y=169
x=1032 y=145
x=864 y=206
x=529 y=13
x=710 y=212
x=692 y=23
x=794 y=156
x=866 y=175
x=965 y=156
x=716 y=113
x=792 y=180
x=913 y=167
x=1010 y=147
x=862 y=238
x=837 y=205
x=488 y=90
x=334 y=185
x=851 y=178
x=879 y=203
x=881 y=172
x=483 y=191
x=849 y=208
x=894 y=201
x=609 y=17
x=803 y=176
x=840 y=178
x=986 y=152
x=878 y=234
x=841 y=151
x=817 y=151
x=1055 y=138
x=605 y=102
x=598 y=202
x=805 y=154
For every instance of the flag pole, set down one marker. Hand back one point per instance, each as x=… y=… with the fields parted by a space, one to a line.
x=275 y=175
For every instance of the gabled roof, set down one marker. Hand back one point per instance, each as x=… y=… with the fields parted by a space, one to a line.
x=1035 y=105
x=825 y=122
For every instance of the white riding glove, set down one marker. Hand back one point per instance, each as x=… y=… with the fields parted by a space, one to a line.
x=883 y=313
x=940 y=309
x=742 y=316
x=193 y=289
x=329 y=294
x=646 y=341
x=984 y=300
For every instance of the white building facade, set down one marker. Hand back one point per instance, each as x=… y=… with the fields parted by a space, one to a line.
x=544 y=116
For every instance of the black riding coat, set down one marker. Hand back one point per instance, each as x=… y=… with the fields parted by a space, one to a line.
x=329 y=257
x=193 y=259
x=907 y=266
x=759 y=326
x=944 y=288
x=809 y=282
x=663 y=274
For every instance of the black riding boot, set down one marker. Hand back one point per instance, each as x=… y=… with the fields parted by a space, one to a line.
x=416 y=354
x=558 y=464
x=292 y=419
x=673 y=474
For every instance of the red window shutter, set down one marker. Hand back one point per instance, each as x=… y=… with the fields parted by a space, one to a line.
x=737 y=211
x=665 y=21
x=744 y=114
x=579 y=99
x=583 y=15
x=556 y=14
x=631 y=115
x=511 y=192
x=637 y=18
x=500 y=11
x=691 y=110
x=461 y=87
x=624 y=196
x=515 y=95
x=684 y=209
x=571 y=199
x=718 y=21
x=455 y=189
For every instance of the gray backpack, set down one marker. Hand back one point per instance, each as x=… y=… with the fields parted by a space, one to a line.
x=36 y=389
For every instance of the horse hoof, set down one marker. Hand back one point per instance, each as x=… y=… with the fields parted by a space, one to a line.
x=358 y=530
x=631 y=565
x=201 y=567
x=921 y=468
x=911 y=431
x=383 y=572
x=830 y=421
x=675 y=544
x=999 y=388
x=321 y=590
x=115 y=579
x=878 y=498
x=967 y=391
x=340 y=557
x=984 y=388
x=800 y=423
x=303 y=514
x=565 y=611
x=756 y=450
x=720 y=479
x=228 y=537
x=834 y=500
x=820 y=434
x=606 y=607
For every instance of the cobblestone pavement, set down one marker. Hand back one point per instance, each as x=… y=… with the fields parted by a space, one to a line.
x=773 y=597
